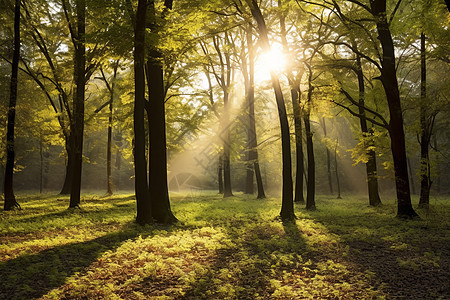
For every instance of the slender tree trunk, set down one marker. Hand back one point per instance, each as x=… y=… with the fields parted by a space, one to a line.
x=287 y=200
x=220 y=173
x=371 y=165
x=10 y=198
x=144 y=206
x=159 y=193
x=411 y=176
x=109 y=187
x=438 y=180
x=330 y=182
x=118 y=164
x=78 y=104
x=295 y=98
x=425 y=134
x=227 y=191
x=311 y=181
x=252 y=141
x=41 y=164
x=337 y=172
x=67 y=185
x=396 y=130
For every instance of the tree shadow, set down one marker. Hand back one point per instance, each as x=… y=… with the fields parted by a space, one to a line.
x=393 y=262
x=32 y=276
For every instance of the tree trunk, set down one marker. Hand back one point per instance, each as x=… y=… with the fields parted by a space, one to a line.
x=411 y=176
x=337 y=172
x=220 y=173
x=159 y=193
x=295 y=98
x=252 y=141
x=311 y=182
x=287 y=200
x=330 y=182
x=41 y=164
x=425 y=134
x=371 y=165
x=396 y=131
x=109 y=187
x=67 y=185
x=144 y=206
x=227 y=191
x=10 y=198
x=78 y=104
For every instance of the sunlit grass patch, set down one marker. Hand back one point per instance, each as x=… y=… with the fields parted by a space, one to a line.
x=234 y=248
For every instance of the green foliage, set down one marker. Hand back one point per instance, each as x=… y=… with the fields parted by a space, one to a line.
x=233 y=249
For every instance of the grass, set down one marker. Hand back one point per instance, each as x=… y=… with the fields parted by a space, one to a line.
x=223 y=249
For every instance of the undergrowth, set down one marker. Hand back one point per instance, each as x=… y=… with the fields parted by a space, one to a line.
x=222 y=249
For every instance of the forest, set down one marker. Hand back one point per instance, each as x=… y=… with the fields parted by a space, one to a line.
x=224 y=149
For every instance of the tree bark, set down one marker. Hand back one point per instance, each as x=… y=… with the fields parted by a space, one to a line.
x=10 y=199
x=411 y=176
x=220 y=173
x=227 y=191
x=396 y=130
x=295 y=98
x=371 y=165
x=252 y=141
x=425 y=134
x=311 y=182
x=67 y=185
x=159 y=193
x=144 y=206
x=78 y=103
x=330 y=182
x=287 y=200
x=111 y=89
x=337 y=172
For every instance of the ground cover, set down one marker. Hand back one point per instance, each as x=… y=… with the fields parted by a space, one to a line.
x=223 y=249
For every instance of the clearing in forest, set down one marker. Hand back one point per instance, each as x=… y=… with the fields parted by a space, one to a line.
x=224 y=249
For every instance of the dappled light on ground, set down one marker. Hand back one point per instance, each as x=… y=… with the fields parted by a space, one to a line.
x=223 y=249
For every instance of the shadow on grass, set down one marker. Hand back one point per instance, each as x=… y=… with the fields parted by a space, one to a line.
x=245 y=267
x=32 y=276
x=391 y=253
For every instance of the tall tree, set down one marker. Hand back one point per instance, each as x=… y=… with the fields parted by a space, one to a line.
x=77 y=129
x=330 y=182
x=287 y=206
x=425 y=131
x=396 y=131
x=294 y=84
x=311 y=182
x=159 y=193
x=371 y=164
x=10 y=199
x=252 y=142
x=111 y=90
x=144 y=206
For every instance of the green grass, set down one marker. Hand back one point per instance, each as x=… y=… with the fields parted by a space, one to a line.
x=223 y=249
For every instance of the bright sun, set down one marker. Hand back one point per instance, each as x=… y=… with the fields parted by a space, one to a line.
x=272 y=60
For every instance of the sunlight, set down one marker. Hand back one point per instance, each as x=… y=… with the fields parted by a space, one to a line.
x=273 y=60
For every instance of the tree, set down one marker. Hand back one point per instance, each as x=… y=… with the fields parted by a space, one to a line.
x=144 y=206
x=77 y=130
x=252 y=142
x=158 y=188
x=396 y=131
x=311 y=182
x=10 y=199
x=294 y=84
x=111 y=90
x=287 y=206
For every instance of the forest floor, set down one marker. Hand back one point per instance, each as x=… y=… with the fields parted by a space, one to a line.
x=223 y=249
